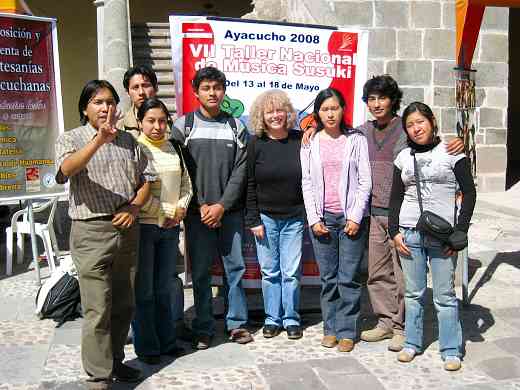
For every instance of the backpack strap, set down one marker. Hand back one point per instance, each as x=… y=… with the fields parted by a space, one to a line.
x=189 y=118
x=232 y=122
x=177 y=146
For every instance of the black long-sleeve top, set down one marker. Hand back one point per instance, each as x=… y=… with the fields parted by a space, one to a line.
x=274 y=178
x=462 y=171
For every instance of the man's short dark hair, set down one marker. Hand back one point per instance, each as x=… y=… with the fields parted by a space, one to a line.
x=209 y=73
x=384 y=85
x=143 y=70
x=89 y=91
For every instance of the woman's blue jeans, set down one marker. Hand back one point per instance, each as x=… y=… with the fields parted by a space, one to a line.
x=279 y=254
x=154 y=322
x=442 y=267
x=339 y=257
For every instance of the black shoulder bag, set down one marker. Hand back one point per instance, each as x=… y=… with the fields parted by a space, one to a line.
x=434 y=225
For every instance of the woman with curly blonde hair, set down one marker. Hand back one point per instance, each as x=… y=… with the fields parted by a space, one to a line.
x=275 y=209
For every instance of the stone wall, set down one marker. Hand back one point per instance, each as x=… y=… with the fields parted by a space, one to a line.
x=414 y=41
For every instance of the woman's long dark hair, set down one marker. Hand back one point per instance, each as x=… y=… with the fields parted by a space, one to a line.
x=425 y=111
x=151 y=103
x=318 y=102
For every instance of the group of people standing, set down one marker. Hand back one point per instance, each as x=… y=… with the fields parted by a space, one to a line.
x=348 y=185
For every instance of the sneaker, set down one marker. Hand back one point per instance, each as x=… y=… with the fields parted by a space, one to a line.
x=396 y=343
x=101 y=385
x=345 y=345
x=124 y=373
x=452 y=363
x=294 y=332
x=376 y=334
x=329 y=341
x=406 y=355
x=270 y=331
x=202 y=341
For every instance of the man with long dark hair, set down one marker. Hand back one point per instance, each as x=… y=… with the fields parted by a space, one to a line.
x=386 y=139
x=109 y=183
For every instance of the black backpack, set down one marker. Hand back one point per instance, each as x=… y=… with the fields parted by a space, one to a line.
x=63 y=300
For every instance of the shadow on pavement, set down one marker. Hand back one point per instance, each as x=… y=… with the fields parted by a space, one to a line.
x=511 y=258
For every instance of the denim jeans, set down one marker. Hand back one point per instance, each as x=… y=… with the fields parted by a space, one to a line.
x=444 y=298
x=204 y=244
x=154 y=323
x=339 y=257
x=279 y=254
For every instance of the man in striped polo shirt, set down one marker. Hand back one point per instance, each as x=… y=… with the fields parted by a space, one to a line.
x=109 y=183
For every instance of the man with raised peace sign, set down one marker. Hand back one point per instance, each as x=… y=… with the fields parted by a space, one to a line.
x=109 y=183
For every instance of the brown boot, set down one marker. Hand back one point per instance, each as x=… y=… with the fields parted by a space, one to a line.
x=345 y=345
x=397 y=343
x=329 y=341
x=376 y=334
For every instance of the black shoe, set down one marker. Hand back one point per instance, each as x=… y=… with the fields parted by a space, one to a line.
x=184 y=333
x=150 y=359
x=294 y=332
x=175 y=352
x=124 y=373
x=270 y=331
x=202 y=341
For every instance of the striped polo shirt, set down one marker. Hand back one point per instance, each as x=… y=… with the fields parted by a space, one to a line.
x=111 y=177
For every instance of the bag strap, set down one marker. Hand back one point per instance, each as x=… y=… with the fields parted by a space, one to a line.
x=418 y=186
x=417 y=181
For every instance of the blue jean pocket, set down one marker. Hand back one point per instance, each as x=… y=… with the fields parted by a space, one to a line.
x=404 y=233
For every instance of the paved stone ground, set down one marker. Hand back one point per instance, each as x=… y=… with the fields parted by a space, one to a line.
x=35 y=355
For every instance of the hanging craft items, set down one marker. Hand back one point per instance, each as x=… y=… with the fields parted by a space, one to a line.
x=465 y=104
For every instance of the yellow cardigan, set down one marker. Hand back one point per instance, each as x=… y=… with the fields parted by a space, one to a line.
x=178 y=191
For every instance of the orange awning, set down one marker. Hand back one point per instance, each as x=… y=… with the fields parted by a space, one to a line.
x=9 y=6
x=469 y=18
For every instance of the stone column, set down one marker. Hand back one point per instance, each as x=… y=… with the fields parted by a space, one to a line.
x=114 y=50
x=268 y=10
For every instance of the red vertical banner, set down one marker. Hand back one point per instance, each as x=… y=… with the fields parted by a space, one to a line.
x=30 y=106
x=197 y=50
x=345 y=44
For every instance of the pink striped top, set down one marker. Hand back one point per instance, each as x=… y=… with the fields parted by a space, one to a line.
x=332 y=152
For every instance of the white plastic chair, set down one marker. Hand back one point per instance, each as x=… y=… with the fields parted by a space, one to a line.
x=43 y=230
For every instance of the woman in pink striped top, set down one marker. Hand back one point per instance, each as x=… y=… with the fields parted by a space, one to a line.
x=336 y=185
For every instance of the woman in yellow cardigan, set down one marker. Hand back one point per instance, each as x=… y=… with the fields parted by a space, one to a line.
x=154 y=324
